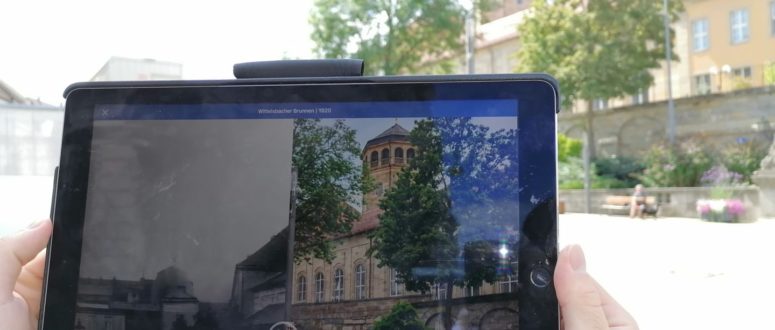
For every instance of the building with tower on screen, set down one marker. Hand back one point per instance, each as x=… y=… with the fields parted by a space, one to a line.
x=352 y=291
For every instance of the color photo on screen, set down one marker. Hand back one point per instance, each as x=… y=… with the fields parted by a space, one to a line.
x=320 y=221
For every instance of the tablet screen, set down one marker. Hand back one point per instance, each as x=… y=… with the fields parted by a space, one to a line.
x=232 y=216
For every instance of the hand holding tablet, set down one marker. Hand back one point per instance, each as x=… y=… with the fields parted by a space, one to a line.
x=321 y=202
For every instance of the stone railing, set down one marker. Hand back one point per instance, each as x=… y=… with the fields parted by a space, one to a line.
x=673 y=202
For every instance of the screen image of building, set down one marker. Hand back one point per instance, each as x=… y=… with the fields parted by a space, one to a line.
x=352 y=291
x=161 y=303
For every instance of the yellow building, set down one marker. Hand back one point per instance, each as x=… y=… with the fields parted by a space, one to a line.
x=710 y=59
x=731 y=43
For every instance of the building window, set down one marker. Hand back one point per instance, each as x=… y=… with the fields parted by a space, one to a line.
x=338 y=285
x=439 y=291
x=738 y=21
x=472 y=291
x=399 y=156
x=409 y=154
x=772 y=17
x=599 y=104
x=385 y=156
x=509 y=284
x=302 y=289
x=374 y=159
x=360 y=282
x=743 y=72
x=395 y=284
x=700 y=35
x=320 y=286
x=641 y=97
x=702 y=84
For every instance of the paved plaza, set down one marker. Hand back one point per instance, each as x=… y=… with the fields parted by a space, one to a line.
x=678 y=273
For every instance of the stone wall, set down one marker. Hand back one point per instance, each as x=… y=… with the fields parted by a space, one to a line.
x=496 y=311
x=674 y=202
x=719 y=118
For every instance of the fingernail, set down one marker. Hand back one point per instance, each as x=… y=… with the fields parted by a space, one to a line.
x=577 y=260
x=35 y=224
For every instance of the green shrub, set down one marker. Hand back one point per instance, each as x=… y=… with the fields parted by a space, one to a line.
x=621 y=172
x=402 y=317
x=743 y=158
x=681 y=165
x=568 y=148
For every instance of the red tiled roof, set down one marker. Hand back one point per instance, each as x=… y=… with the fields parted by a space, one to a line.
x=368 y=221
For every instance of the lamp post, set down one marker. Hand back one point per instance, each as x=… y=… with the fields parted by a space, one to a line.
x=714 y=72
x=669 y=60
x=725 y=70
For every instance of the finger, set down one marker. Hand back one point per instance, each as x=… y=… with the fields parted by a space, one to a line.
x=29 y=285
x=580 y=301
x=617 y=316
x=37 y=265
x=16 y=251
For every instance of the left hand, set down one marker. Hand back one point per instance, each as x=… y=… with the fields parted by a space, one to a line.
x=22 y=259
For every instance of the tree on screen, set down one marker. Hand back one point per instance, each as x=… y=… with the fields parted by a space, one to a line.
x=450 y=209
x=597 y=49
x=402 y=316
x=331 y=179
x=393 y=37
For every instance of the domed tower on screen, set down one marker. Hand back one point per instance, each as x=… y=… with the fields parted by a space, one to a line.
x=386 y=155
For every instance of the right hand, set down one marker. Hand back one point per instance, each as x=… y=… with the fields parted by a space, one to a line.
x=584 y=304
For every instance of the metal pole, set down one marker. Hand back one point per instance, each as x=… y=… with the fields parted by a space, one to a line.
x=470 y=40
x=587 y=167
x=669 y=59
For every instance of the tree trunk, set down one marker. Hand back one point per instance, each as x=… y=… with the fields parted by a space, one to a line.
x=590 y=131
x=446 y=314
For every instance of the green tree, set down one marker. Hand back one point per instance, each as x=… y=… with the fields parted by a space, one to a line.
x=402 y=317
x=567 y=147
x=205 y=319
x=597 y=49
x=393 y=37
x=331 y=180
x=438 y=220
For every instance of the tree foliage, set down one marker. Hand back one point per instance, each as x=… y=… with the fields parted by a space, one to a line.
x=568 y=147
x=402 y=317
x=597 y=49
x=393 y=37
x=331 y=179
x=451 y=208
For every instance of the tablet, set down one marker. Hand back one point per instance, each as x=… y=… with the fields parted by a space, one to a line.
x=325 y=203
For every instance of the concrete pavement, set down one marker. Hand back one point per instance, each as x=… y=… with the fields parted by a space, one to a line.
x=677 y=273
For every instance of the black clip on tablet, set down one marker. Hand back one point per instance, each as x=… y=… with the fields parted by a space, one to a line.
x=299 y=69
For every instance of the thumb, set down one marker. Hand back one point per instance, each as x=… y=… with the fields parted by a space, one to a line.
x=16 y=251
x=581 y=303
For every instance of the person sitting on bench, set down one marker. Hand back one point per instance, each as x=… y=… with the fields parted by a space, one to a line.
x=638 y=202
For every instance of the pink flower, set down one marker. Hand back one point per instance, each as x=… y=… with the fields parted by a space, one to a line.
x=735 y=207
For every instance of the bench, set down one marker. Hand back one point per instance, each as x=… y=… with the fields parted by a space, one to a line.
x=621 y=205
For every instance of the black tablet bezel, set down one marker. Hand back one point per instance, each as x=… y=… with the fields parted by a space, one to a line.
x=538 y=104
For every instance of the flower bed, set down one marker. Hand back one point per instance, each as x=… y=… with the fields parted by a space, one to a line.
x=720 y=210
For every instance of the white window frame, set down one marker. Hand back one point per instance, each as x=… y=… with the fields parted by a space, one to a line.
x=360 y=282
x=320 y=287
x=509 y=283
x=772 y=18
x=696 y=80
x=395 y=285
x=338 y=285
x=439 y=291
x=473 y=291
x=700 y=35
x=743 y=72
x=301 y=289
x=739 y=23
